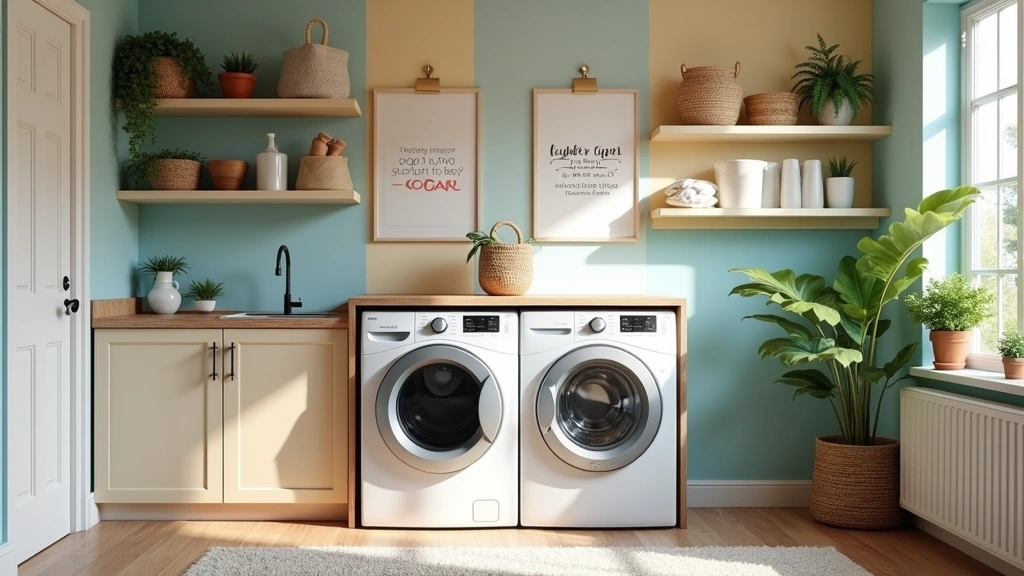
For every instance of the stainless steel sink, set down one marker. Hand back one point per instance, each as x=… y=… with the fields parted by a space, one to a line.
x=263 y=315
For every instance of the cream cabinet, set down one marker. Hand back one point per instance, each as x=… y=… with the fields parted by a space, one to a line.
x=212 y=416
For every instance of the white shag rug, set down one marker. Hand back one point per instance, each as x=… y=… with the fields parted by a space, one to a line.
x=523 y=561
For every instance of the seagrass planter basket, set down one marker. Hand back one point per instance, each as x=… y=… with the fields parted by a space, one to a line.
x=709 y=95
x=506 y=269
x=856 y=486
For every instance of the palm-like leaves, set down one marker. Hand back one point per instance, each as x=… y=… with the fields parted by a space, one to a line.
x=826 y=76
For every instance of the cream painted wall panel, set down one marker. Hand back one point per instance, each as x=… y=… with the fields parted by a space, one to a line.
x=401 y=37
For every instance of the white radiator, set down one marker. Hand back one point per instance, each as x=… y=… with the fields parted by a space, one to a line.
x=962 y=467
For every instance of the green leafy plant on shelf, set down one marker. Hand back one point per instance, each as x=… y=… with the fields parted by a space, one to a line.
x=172 y=264
x=840 y=167
x=950 y=304
x=481 y=239
x=205 y=289
x=144 y=165
x=135 y=77
x=244 y=63
x=826 y=76
x=1011 y=345
x=837 y=325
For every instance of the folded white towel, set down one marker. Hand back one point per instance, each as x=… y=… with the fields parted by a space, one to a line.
x=692 y=193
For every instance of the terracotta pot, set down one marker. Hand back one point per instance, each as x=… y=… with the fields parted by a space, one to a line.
x=170 y=81
x=951 y=348
x=236 y=84
x=227 y=174
x=856 y=486
x=176 y=175
x=1013 y=368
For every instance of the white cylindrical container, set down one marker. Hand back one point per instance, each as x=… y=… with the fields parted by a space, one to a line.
x=813 y=186
x=740 y=183
x=839 y=191
x=790 y=195
x=164 y=298
x=271 y=167
x=772 y=185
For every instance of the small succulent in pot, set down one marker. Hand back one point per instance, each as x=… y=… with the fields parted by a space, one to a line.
x=237 y=80
x=205 y=292
x=1011 y=348
x=839 y=187
x=172 y=264
x=168 y=169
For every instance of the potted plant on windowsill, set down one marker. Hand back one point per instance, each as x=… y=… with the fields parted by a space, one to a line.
x=951 y=309
x=168 y=169
x=837 y=325
x=205 y=293
x=237 y=80
x=1011 y=348
x=164 y=298
x=831 y=86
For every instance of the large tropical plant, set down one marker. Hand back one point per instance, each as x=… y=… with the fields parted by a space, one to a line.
x=839 y=325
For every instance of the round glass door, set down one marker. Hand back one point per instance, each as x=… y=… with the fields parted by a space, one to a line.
x=599 y=408
x=438 y=408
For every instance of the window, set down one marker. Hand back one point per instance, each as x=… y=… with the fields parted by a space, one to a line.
x=992 y=239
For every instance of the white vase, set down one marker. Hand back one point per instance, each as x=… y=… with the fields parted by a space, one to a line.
x=271 y=167
x=839 y=192
x=772 y=186
x=790 y=194
x=205 y=305
x=813 y=187
x=164 y=297
x=828 y=115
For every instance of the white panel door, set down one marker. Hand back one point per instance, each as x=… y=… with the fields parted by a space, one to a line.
x=39 y=254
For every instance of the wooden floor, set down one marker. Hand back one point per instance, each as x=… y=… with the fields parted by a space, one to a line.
x=168 y=548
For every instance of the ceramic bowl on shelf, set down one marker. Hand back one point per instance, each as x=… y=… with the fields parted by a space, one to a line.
x=227 y=174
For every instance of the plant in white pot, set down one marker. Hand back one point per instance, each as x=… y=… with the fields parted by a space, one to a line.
x=1011 y=348
x=205 y=293
x=951 y=308
x=164 y=297
x=832 y=331
x=831 y=86
x=839 y=187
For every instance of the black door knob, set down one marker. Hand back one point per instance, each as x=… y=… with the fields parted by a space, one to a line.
x=66 y=283
x=70 y=306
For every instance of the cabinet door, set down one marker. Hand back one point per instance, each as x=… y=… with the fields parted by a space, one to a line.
x=158 y=416
x=285 y=416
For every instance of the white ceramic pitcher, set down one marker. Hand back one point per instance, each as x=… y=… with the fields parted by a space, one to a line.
x=164 y=298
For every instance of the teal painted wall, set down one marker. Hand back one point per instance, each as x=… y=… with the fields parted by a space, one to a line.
x=238 y=244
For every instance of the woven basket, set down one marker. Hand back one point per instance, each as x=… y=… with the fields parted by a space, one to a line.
x=170 y=81
x=506 y=269
x=856 y=486
x=314 y=70
x=174 y=174
x=772 y=108
x=709 y=95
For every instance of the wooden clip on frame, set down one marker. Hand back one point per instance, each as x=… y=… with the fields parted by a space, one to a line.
x=428 y=84
x=584 y=84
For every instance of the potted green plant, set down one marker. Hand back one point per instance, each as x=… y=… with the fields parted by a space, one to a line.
x=831 y=86
x=1011 y=348
x=164 y=297
x=237 y=80
x=505 y=269
x=204 y=293
x=839 y=187
x=950 y=308
x=150 y=66
x=831 y=332
x=168 y=169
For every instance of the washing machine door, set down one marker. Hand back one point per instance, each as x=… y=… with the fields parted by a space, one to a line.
x=439 y=408
x=599 y=408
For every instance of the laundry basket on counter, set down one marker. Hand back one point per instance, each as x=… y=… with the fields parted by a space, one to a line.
x=740 y=183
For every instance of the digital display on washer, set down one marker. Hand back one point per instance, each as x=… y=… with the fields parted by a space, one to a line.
x=480 y=324
x=638 y=324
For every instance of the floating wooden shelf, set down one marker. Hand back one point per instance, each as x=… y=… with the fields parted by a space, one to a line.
x=259 y=107
x=239 y=196
x=769 y=133
x=767 y=218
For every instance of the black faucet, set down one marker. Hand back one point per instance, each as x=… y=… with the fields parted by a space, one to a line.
x=288 y=304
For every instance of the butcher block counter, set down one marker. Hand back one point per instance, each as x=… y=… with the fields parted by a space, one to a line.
x=127 y=313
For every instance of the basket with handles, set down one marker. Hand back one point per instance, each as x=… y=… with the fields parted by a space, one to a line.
x=314 y=70
x=709 y=95
x=506 y=269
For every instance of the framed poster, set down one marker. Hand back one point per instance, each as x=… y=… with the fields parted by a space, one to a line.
x=426 y=158
x=585 y=152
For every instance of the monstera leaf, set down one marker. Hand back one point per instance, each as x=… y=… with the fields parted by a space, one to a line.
x=799 y=350
x=806 y=295
x=811 y=382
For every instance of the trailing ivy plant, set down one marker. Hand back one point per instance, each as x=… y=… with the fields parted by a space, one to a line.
x=135 y=77
x=826 y=76
x=144 y=165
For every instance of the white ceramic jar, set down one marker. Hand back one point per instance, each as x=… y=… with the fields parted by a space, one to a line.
x=164 y=297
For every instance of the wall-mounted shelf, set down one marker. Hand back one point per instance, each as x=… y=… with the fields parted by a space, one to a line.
x=770 y=133
x=239 y=196
x=767 y=218
x=259 y=107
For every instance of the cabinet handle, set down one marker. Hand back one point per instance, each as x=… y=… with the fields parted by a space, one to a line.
x=232 y=374
x=214 y=375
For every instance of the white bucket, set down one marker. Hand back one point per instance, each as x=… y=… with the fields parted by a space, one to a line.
x=740 y=183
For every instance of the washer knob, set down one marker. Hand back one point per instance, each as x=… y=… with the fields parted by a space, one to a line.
x=438 y=325
x=598 y=325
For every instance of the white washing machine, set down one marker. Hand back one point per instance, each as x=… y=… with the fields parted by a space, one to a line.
x=439 y=419
x=598 y=427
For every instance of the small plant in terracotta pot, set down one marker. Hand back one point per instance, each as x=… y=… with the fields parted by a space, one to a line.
x=951 y=308
x=227 y=174
x=1011 y=348
x=204 y=293
x=168 y=169
x=237 y=80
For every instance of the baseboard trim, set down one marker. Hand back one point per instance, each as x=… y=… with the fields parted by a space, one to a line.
x=92 y=512
x=966 y=546
x=215 y=512
x=748 y=493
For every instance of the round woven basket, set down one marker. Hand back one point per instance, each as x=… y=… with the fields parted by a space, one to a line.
x=173 y=174
x=506 y=269
x=856 y=486
x=170 y=80
x=709 y=95
x=772 y=108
